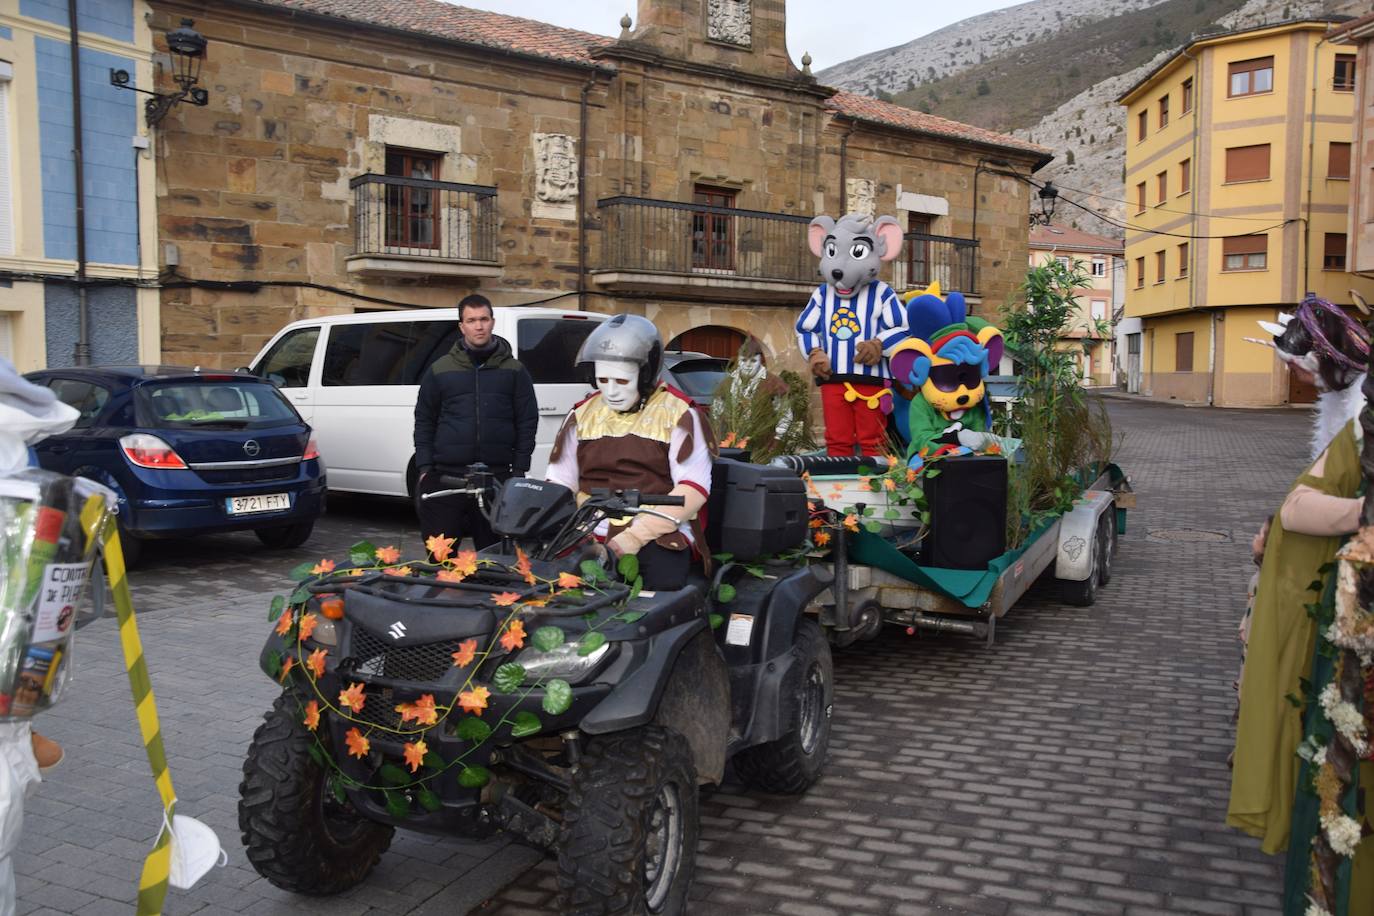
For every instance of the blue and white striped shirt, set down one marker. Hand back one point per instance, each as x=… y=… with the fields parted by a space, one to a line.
x=837 y=325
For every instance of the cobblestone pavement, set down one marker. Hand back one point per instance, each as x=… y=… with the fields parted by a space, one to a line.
x=1079 y=765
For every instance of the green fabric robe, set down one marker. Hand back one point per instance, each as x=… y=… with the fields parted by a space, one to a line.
x=1282 y=636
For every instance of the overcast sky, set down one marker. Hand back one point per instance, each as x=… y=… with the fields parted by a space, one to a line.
x=823 y=28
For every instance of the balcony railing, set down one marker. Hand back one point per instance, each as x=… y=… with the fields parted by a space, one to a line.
x=668 y=237
x=927 y=258
x=420 y=219
x=664 y=237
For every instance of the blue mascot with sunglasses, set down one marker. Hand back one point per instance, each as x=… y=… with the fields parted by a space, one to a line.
x=945 y=359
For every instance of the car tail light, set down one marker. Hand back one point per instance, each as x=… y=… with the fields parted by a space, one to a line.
x=311 y=450
x=148 y=451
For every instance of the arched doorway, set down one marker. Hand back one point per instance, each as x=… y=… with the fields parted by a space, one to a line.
x=711 y=339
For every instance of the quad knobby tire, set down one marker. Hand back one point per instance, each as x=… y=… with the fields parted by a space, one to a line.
x=1084 y=593
x=789 y=765
x=297 y=835
x=284 y=537
x=629 y=838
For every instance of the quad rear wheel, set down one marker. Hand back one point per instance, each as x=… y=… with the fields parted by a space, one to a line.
x=297 y=834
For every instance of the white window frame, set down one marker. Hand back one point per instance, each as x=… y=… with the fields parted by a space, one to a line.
x=1099 y=267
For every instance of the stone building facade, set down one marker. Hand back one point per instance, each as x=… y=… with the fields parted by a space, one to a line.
x=363 y=154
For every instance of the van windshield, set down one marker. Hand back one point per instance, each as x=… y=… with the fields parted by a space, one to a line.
x=232 y=404
x=547 y=347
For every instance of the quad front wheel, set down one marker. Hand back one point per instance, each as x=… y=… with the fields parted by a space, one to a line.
x=297 y=834
x=789 y=765
x=629 y=838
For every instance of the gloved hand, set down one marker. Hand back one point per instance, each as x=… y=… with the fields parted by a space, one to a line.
x=868 y=352
x=975 y=440
x=819 y=363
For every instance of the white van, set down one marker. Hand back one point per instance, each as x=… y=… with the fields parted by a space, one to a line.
x=355 y=378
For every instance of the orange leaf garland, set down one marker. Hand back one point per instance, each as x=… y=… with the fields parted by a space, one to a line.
x=422 y=711
x=388 y=554
x=474 y=700
x=450 y=575
x=308 y=622
x=506 y=599
x=568 y=580
x=851 y=522
x=439 y=547
x=466 y=562
x=466 y=650
x=415 y=754
x=312 y=715
x=728 y=441
x=514 y=636
x=284 y=623
x=358 y=746
x=324 y=566
x=353 y=697
x=522 y=565
x=315 y=662
x=889 y=483
x=286 y=667
x=399 y=571
x=821 y=538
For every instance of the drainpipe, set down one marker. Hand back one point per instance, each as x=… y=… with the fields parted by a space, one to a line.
x=81 y=355
x=1197 y=173
x=1311 y=173
x=844 y=170
x=582 y=197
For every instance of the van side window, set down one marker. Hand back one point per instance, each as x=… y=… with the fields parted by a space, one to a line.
x=384 y=352
x=289 y=360
x=548 y=346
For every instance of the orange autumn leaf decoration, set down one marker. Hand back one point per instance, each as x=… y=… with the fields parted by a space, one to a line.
x=851 y=522
x=514 y=637
x=388 y=554
x=568 y=580
x=308 y=622
x=728 y=441
x=286 y=668
x=450 y=575
x=421 y=711
x=822 y=538
x=399 y=571
x=474 y=700
x=324 y=566
x=315 y=662
x=358 y=746
x=993 y=449
x=889 y=483
x=466 y=562
x=743 y=443
x=522 y=565
x=910 y=475
x=284 y=623
x=415 y=754
x=439 y=547
x=353 y=697
x=505 y=599
x=816 y=523
x=312 y=715
x=466 y=650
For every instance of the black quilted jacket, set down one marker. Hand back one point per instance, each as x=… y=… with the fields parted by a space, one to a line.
x=468 y=413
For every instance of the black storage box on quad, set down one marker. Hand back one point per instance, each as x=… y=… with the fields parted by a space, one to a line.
x=755 y=510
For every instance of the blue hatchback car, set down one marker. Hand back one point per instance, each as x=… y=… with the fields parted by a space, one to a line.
x=189 y=452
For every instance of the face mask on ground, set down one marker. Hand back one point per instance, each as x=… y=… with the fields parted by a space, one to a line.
x=195 y=850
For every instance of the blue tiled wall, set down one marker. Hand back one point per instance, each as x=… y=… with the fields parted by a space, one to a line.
x=114 y=325
x=6 y=34
x=110 y=117
x=111 y=18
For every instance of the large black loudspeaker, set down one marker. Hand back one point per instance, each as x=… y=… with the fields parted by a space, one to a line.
x=968 y=512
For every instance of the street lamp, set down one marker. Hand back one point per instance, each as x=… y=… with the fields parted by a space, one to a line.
x=188 y=53
x=1048 y=194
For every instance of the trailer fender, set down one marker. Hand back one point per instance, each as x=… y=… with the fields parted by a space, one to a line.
x=1077 y=529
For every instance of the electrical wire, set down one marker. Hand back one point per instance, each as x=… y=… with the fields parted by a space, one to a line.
x=1257 y=219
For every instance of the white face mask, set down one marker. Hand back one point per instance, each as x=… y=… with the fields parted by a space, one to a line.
x=618 y=382
x=750 y=366
x=195 y=850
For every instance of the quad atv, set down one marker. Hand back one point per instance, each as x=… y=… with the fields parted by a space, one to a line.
x=596 y=734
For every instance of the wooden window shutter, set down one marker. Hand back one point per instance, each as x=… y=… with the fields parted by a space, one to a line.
x=1333 y=255
x=1247 y=163
x=1183 y=352
x=1338 y=161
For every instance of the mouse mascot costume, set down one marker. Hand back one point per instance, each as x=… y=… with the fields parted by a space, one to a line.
x=636 y=432
x=851 y=320
x=945 y=359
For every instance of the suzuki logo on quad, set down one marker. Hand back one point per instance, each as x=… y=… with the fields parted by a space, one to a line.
x=527 y=485
x=397 y=630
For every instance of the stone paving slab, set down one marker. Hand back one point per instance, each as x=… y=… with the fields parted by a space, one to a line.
x=1077 y=766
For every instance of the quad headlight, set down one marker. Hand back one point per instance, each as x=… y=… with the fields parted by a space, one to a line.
x=562 y=662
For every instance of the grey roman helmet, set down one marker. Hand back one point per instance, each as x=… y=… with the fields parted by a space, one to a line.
x=629 y=338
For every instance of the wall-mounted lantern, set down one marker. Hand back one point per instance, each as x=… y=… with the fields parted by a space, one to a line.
x=188 y=52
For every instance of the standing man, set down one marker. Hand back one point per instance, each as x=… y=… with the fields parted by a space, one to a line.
x=476 y=404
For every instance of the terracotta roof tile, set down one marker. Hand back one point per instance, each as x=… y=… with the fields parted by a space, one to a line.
x=863 y=108
x=1072 y=239
x=458 y=23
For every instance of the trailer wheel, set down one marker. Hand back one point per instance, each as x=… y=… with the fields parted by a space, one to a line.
x=1083 y=594
x=1106 y=535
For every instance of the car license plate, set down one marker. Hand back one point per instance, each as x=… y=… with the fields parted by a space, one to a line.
x=266 y=502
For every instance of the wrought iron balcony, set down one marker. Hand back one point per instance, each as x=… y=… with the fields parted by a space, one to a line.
x=746 y=255
x=418 y=226
x=723 y=252
x=928 y=258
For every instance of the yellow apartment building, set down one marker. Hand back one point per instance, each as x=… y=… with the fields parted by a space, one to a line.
x=1238 y=152
x=1089 y=334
